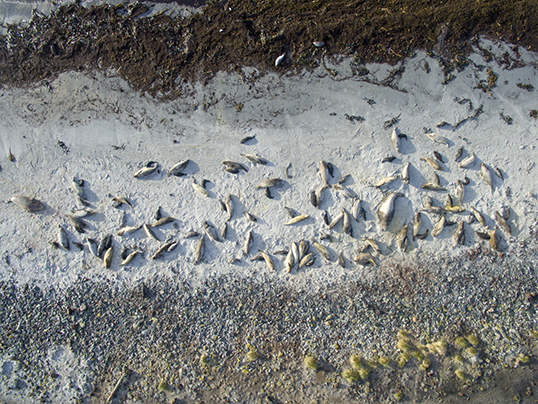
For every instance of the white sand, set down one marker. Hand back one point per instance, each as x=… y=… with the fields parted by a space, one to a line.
x=293 y=121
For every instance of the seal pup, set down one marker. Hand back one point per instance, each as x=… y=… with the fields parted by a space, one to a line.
x=395 y=139
x=161 y=250
x=337 y=219
x=503 y=222
x=439 y=226
x=296 y=219
x=344 y=191
x=459 y=233
x=177 y=169
x=460 y=191
x=104 y=245
x=306 y=261
x=62 y=238
x=128 y=230
x=255 y=159
x=107 y=258
x=149 y=232
x=129 y=258
x=211 y=231
x=229 y=204
x=268 y=260
x=402 y=238
x=323 y=172
x=289 y=263
x=438 y=138
x=162 y=221
x=149 y=169
x=405 y=173
x=433 y=163
x=458 y=154
x=364 y=259
x=322 y=250
x=485 y=173
x=416 y=224
x=348 y=229
x=199 y=188
x=199 y=251
x=28 y=204
x=121 y=200
x=92 y=247
x=79 y=191
x=234 y=166
x=248 y=242
x=271 y=182
x=478 y=216
x=468 y=161
x=385 y=212
x=319 y=196
x=385 y=181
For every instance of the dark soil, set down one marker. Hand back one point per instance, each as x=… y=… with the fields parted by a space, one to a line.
x=157 y=53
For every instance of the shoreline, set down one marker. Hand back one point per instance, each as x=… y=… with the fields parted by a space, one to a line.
x=70 y=324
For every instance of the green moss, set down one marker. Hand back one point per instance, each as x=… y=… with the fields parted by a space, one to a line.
x=403 y=359
x=460 y=374
x=311 y=363
x=163 y=386
x=351 y=375
x=523 y=358
x=534 y=333
x=461 y=343
x=472 y=339
x=458 y=358
x=398 y=395
x=364 y=372
x=471 y=351
x=384 y=361
x=252 y=355
x=356 y=361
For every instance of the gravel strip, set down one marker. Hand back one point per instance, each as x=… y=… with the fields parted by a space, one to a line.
x=235 y=340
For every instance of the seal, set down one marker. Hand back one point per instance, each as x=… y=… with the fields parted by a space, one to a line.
x=28 y=204
x=385 y=212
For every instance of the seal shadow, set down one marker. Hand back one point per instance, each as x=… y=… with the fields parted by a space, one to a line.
x=406 y=146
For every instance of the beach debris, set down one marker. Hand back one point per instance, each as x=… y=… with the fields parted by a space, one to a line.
x=148 y=169
x=269 y=183
x=247 y=139
x=506 y=118
x=385 y=212
x=458 y=154
x=485 y=174
x=279 y=60
x=466 y=180
x=391 y=122
x=318 y=44
x=468 y=161
x=177 y=169
x=255 y=159
x=199 y=251
x=28 y=204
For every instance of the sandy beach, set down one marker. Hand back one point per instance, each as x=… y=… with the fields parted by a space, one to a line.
x=393 y=313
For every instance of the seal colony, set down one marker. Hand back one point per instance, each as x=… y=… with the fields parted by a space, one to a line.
x=299 y=255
